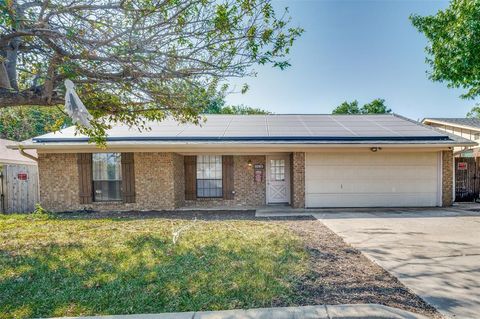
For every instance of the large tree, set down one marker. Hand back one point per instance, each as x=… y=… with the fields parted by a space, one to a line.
x=23 y=122
x=453 y=50
x=377 y=106
x=133 y=60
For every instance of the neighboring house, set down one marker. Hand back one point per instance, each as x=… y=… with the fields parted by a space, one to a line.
x=18 y=180
x=250 y=161
x=468 y=128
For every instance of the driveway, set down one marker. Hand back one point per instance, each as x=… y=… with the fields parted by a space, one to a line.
x=436 y=253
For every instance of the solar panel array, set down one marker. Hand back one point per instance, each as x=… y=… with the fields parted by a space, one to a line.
x=265 y=126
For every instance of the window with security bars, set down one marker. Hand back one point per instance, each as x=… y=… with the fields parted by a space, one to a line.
x=209 y=176
x=277 y=170
x=107 y=176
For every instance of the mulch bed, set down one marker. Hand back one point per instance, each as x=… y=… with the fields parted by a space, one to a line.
x=339 y=273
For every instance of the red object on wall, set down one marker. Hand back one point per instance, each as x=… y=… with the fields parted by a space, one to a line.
x=22 y=176
x=462 y=166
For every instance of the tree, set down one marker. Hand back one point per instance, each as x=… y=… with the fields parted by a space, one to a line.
x=218 y=106
x=474 y=112
x=347 y=108
x=242 y=110
x=21 y=123
x=135 y=60
x=453 y=50
x=377 y=106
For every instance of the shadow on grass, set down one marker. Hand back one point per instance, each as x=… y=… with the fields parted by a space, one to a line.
x=148 y=274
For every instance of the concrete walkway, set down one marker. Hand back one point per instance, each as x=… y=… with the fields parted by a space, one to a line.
x=434 y=252
x=359 y=311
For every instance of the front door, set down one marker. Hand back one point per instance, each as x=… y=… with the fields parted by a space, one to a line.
x=278 y=179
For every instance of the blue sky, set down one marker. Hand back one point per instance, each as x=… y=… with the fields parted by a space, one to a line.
x=354 y=50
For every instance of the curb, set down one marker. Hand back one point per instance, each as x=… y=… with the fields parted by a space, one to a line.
x=351 y=311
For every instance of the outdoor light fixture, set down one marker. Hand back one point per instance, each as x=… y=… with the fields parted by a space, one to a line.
x=249 y=163
x=374 y=149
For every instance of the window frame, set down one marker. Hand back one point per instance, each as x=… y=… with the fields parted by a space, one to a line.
x=217 y=179
x=117 y=181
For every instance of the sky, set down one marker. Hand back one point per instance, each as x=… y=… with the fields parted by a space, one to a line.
x=354 y=50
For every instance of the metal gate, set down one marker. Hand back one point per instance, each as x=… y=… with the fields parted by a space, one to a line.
x=466 y=180
x=18 y=188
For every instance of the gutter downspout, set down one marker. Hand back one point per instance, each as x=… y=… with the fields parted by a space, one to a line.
x=22 y=151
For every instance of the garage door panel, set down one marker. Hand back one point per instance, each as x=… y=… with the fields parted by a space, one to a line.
x=371 y=172
x=381 y=186
x=424 y=159
x=380 y=200
x=371 y=179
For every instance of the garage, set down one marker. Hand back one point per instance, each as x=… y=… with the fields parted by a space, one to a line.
x=373 y=179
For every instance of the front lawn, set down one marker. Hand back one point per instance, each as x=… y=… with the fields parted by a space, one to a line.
x=67 y=266
x=151 y=262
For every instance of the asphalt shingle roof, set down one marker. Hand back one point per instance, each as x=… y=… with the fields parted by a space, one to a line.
x=471 y=122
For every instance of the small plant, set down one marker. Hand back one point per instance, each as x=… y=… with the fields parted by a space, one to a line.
x=41 y=213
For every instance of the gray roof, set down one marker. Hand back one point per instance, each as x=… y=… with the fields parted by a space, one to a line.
x=471 y=122
x=8 y=156
x=297 y=128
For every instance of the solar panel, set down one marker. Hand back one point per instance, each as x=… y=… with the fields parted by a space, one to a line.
x=267 y=126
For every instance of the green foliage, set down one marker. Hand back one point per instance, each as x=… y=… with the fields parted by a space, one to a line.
x=242 y=110
x=474 y=112
x=22 y=123
x=377 y=106
x=453 y=50
x=217 y=106
x=77 y=266
x=138 y=61
x=347 y=108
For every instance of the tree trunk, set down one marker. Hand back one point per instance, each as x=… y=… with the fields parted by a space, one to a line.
x=11 y=63
x=4 y=81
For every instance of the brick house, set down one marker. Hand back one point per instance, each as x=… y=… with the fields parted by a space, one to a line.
x=250 y=161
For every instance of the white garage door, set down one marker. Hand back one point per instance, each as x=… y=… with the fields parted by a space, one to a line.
x=372 y=179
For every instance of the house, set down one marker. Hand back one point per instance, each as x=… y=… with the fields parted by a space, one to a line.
x=18 y=179
x=468 y=128
x=250 y=161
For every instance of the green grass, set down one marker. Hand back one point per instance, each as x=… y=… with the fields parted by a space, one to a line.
x=68 y=267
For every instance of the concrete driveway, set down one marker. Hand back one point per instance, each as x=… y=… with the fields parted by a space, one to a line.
x=436 y=253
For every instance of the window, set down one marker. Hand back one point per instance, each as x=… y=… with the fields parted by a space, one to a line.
x=277 y=170
x=107 y=176
x=209 y=176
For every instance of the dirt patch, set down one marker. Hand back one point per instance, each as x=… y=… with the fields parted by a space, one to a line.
x=341 y=274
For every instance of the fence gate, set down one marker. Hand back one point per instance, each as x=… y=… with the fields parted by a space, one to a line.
x=19 y=188
x=466 y=181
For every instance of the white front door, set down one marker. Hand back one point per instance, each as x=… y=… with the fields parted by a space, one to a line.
x=278 y=179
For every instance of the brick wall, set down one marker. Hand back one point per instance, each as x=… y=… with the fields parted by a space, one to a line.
x=248 y=193
x=297 y=163
x=158 y=183
x=447 y=178
x=58 y=175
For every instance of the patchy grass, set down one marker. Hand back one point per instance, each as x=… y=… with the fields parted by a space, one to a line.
x=79 y=266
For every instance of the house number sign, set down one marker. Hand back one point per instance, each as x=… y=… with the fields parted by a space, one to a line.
x=22 y=176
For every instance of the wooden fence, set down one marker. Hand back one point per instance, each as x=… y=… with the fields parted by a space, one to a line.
x=18 y=188
x=467 y=181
